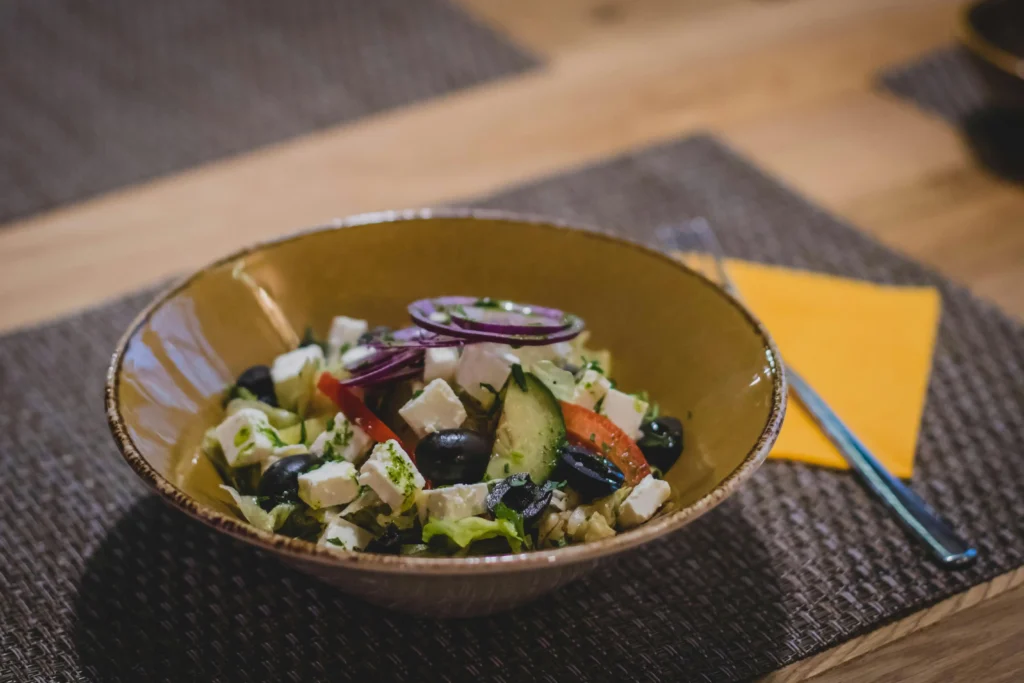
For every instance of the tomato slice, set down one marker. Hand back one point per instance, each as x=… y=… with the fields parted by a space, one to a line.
x=590 y=430
x=355 y=410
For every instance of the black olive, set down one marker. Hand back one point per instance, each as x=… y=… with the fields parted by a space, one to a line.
x=370 y=335
x=393 y=539
x=520 y=494
x=257 y=380
x=281 y=480
x=662 y=441
x=453 y=456
x=590 y=475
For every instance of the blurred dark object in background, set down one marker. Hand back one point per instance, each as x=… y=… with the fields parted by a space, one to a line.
x=993 y=32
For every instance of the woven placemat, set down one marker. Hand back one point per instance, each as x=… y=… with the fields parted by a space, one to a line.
x=97 y=95
x=101 y=581
x=943 y=82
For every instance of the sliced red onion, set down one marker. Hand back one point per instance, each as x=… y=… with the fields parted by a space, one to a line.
x=378 y=356
x=405 y=363
x=450 y=316
x=414 y=338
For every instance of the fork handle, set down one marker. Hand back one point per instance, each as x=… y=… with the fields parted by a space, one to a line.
x=948 y=549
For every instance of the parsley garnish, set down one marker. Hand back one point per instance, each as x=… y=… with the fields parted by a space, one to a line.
x=519 y=376
x=337 y=541
x=487 y=302
x=418 y=393
x=309 y=339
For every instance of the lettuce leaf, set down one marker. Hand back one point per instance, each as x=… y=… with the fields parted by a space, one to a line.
x=469 y=529
x=257 y=516
x=561 y=382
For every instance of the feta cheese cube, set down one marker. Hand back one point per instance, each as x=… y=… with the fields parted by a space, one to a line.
x=435 y=409
x=483 y=366
x=247 y=437
x=627 y=412
x=342 y=535
x=453 y=502
x=333 y=483
x=440 y=364
x=591 y=388
x=356 y=355
x=343 y=440
x=643 y=501
x=344 y=334
x=392 y=475
x=294 y=375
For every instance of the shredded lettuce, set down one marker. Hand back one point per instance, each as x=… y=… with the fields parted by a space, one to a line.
x=559 y=381
x=257 y=516
x=469 y=529
x=279 y=418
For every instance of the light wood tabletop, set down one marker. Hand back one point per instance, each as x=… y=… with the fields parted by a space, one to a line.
x=788 y=83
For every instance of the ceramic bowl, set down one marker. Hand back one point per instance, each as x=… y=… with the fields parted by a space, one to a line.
x=699 y=352
x=993 y=32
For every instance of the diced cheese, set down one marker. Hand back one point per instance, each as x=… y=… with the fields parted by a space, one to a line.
x=627 y=412
x=342 y=535
x=392 y=475
x=591 y=388
x=294 y=374
x=344 y=334
x=356 y=354
x=435 y=409
x=247 y=437
x=597 y=528
x=576 y=520
x=440 y=364
x=644 y=500
x=483 y=369
x=333 y=483
x=453 y=502
x=343 y=440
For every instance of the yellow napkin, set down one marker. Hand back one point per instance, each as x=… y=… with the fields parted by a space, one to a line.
x=865 y=348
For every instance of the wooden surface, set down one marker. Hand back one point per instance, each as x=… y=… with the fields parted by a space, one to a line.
x=786 y=82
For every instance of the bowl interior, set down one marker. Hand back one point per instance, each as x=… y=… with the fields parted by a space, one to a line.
x=671 y=332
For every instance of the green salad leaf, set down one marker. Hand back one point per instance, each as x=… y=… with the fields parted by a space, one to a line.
x=469 y=529
x=561 y=382
x=257 y=516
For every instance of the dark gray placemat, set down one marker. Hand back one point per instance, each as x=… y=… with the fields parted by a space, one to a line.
x=943 y=82
x=96 y=95
x=101 y=581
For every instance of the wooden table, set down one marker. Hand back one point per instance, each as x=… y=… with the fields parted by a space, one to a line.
x=786 y=82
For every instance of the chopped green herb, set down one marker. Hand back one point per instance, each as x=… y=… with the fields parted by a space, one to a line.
x=309 y=339
x=561 y=542
x=418 y=393
x=338 y=542
x=502 y=511
x=271 y=434
x=330 y=425
x=516 y=457
x=508 y=468
x=487 y=302
x=242 y=435
x=591 y=365
x=487 y=387
x=606 y=449
x=302 y=433
x=519 y=376
x=599 y=404
x=593 y=438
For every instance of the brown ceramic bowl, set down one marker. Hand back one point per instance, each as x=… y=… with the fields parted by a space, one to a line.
x=993 y=32
x=672 y=332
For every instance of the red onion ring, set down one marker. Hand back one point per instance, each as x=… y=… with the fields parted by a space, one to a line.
x=560 y=326
x=414 y=338
x=402 y=363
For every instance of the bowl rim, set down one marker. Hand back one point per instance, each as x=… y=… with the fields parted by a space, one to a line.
x=307 y=551
x=985 y=49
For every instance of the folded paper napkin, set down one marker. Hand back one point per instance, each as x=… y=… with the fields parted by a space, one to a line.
x=865 y=348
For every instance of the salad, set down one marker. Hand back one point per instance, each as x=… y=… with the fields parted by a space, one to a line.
x=486 y=427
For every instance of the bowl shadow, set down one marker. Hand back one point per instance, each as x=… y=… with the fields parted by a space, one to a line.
x=164 y=598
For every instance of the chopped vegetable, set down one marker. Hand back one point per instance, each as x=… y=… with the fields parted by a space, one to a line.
x=470 y=529
x=590 y=430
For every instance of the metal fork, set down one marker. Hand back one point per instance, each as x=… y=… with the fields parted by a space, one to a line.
x=920 y=520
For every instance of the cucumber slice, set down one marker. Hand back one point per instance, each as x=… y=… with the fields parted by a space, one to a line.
x=530 y=430
x=293 y=435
